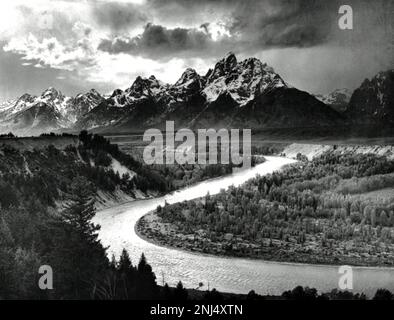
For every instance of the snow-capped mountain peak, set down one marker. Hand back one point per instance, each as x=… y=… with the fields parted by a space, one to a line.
x=6 y=105
x=51 y=93
x=13 y=107
x=83 y=103
x=145 y=87
x=232 y=94
x=92 y=95
x=190 y=82
x=222 y=67
x=49 y=111
x=188 y=76
x=338 y=99
x=241 y=80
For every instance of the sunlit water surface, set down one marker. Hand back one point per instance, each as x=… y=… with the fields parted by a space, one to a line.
x=225 y=274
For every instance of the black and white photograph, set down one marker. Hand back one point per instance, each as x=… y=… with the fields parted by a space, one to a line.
x=196 y=153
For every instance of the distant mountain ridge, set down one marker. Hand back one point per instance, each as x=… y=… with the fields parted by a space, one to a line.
x=233 y=94
x=50 y=111
x=338 y=99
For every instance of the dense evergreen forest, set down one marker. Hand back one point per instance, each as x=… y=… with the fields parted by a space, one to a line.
x=46 y=206
x=35 y=229
x=31 y=236
x=338 y=208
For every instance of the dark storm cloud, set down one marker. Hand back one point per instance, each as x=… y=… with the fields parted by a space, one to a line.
x=301 y=23
x=254 y=24
x=118 y=16
x=157 y=40
x=288 y=23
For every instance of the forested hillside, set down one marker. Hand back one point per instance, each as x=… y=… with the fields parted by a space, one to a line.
x=46 y=204
x=334 y=209
x=48 y=188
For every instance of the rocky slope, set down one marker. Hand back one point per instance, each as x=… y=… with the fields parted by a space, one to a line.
x=51 y=162
x=373 y=101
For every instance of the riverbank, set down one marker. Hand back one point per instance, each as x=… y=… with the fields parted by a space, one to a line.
x=151 y=228
x=106 y=200
x=236 y=275
x=299 y=215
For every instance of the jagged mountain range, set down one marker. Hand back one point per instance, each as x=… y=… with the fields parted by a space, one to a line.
x=48 y=112
x=233 y=94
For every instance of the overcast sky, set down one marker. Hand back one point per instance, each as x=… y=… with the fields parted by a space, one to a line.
x=102 y=44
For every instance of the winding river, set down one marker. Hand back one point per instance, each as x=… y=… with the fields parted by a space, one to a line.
x=237 y=275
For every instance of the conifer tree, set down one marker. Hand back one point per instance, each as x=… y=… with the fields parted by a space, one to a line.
x=80 y=211
x=127 y=275
x=180 y=293
x=79 y=259
x=146 y=280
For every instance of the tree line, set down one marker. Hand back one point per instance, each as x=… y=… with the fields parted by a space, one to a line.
x=320 y=203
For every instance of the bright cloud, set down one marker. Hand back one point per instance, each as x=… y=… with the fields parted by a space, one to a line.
x=122 y=69
x=50 y=52
x=65 y=35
